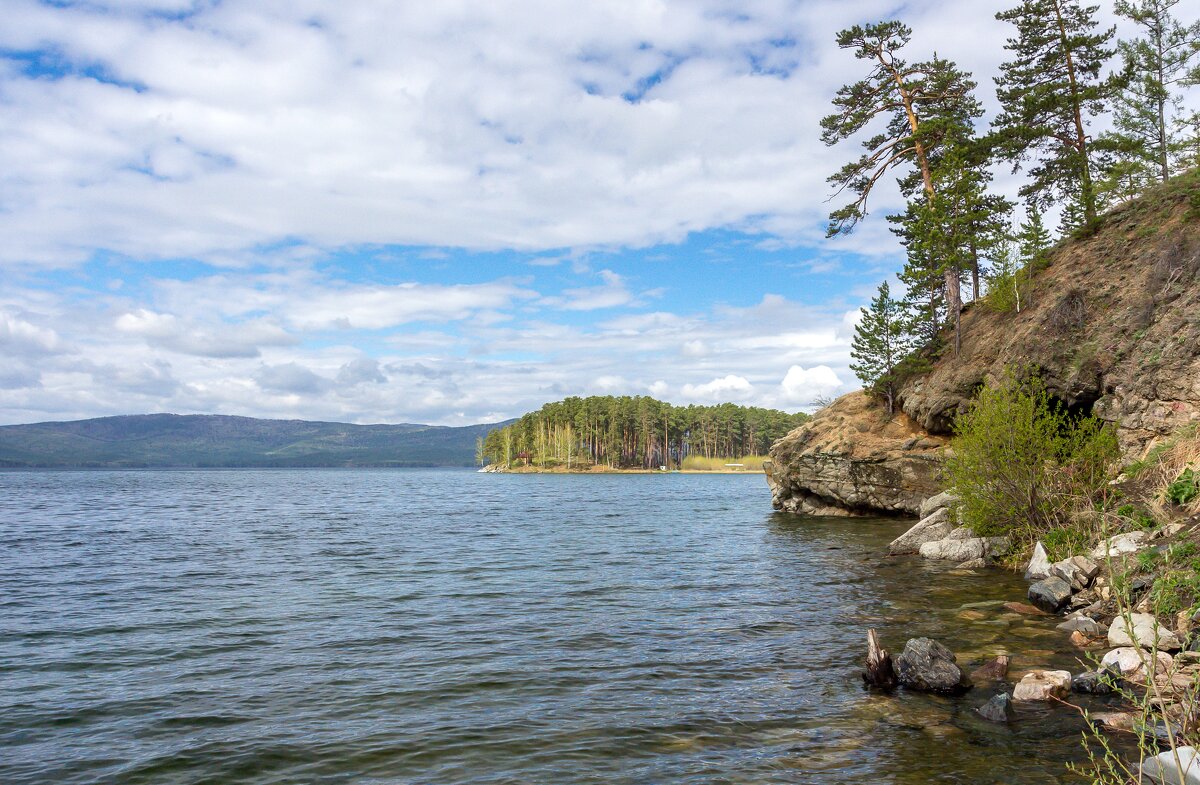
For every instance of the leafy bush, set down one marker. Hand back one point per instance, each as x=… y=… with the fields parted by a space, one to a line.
x=1023 y=466
x=1185 y=488
x=1063 y=542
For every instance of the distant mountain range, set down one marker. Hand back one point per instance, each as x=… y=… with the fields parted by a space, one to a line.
x=172 y=440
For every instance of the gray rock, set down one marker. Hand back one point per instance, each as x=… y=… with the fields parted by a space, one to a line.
x=927 y=665
x=1083 y=624
x=1039 y=565
x=938 y=502
x=1050 y=594
x=1130 y=542
x=930 y=528
x=1079 y=571
x=996 y=709
x=965 y=550
x=973 y=564
x=1180 y=766
x=1143 y=628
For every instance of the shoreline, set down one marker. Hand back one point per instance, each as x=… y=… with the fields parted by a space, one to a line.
x=606 y=470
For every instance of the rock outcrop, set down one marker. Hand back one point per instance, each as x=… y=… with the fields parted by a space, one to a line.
x=1112 y=327
x=851 y=458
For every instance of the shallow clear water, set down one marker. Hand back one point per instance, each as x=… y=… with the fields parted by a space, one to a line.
x=325 y=626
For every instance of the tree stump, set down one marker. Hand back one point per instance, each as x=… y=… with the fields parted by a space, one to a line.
x=879 y=672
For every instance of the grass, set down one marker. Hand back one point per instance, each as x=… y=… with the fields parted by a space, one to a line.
x=697 y=463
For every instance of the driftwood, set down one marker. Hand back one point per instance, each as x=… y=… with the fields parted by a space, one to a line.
x=879 y=672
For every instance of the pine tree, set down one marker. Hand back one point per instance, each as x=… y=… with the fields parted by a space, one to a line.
x=927 y=108
x=879 y=345
x=1033 y=241
x=1157 y=65
x=1047 y=93
x=1185 y=150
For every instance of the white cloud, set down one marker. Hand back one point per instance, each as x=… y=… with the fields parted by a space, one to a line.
x=726 y=388
x=803 y=386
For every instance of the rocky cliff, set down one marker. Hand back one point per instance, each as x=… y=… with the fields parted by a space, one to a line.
x=1112 y=326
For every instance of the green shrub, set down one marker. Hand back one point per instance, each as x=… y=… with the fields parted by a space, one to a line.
x=1023 y=466
x=1063 y=542
x=1185 y=488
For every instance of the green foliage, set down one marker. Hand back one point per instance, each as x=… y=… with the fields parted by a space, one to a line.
x=635 y=432
x=880 y=343
x=1063 y=542
x=1139 y=519
x=1142 y=147
x=1175 y=590
x=1008 y=283
x=1185 y=488
x=919 y=107
x=1047 y=92
x=1022 y=465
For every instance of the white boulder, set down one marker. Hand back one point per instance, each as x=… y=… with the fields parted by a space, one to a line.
x=1039 y=564
x=936 y=526
x=1130 y=542
x=1142 y=629
x=1180 y=766
x=1042 y=686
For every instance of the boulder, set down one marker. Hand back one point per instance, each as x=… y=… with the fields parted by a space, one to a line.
x=1131 y=662
x=1142 y=629
x=1042 y=686
x=1050 y=594
x=1130 y=542
x=994 y=669
x=1091 y=683
x=1079 y=571
x=930 y=528
x=941 y=501
x=961 y=533
x=1180 y=766
x=1084 y=624
x=964 y=550
x=1039 y=565
x=996 y=709
x=927 y=665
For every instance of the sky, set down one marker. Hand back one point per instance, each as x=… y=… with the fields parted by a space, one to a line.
x=447 y=213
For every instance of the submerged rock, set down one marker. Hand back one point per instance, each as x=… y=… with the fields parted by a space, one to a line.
x=1145 y=630
x=996 y=709
x=1084 y=624
x=935 y=526
x=993 y=670
x=1091 y=683
x=1042 y=686
x=927 y=665
x=1050 y=594
x=1039 y=564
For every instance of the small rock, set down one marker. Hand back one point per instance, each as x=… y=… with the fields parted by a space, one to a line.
x=1083 y=624
x=1180 y=766
x=938 y=502
x=1145 y=630
x=1039 y=564
x=971 y=615
x=1114 y=720
x=1050 y=594
x=1077 y=571
x=1028 y=610
x=996 y=709
x=1042 y=685
x=1080 y=640
x=973 y=564
x=1091 y=683
x=935 y=526
x=1130 y=542
x=994 y=669
x=927 y=665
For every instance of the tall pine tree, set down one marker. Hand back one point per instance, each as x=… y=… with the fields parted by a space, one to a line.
x=879 y=345
x=1157 y=64
x=1048 y=91
x=925 y=109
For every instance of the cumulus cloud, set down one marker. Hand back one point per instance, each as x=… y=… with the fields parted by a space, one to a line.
x=803 y=386
x=726 y=388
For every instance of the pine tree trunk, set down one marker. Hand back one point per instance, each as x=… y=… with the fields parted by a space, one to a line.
x=1085 y=173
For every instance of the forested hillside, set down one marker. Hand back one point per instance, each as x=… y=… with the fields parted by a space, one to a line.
x=169 y=440
x=634 y=432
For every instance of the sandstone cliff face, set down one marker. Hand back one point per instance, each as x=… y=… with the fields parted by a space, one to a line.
x=851 y=459
x=1112 y=327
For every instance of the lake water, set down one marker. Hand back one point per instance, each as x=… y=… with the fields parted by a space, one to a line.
x=327 y=626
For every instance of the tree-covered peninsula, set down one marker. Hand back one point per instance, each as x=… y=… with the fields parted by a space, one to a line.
x=635 y=432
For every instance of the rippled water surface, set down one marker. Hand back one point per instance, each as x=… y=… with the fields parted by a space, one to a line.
x=452 y=627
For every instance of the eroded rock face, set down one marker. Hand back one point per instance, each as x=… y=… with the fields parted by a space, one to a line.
x=1126 y=345
x=852 y=459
